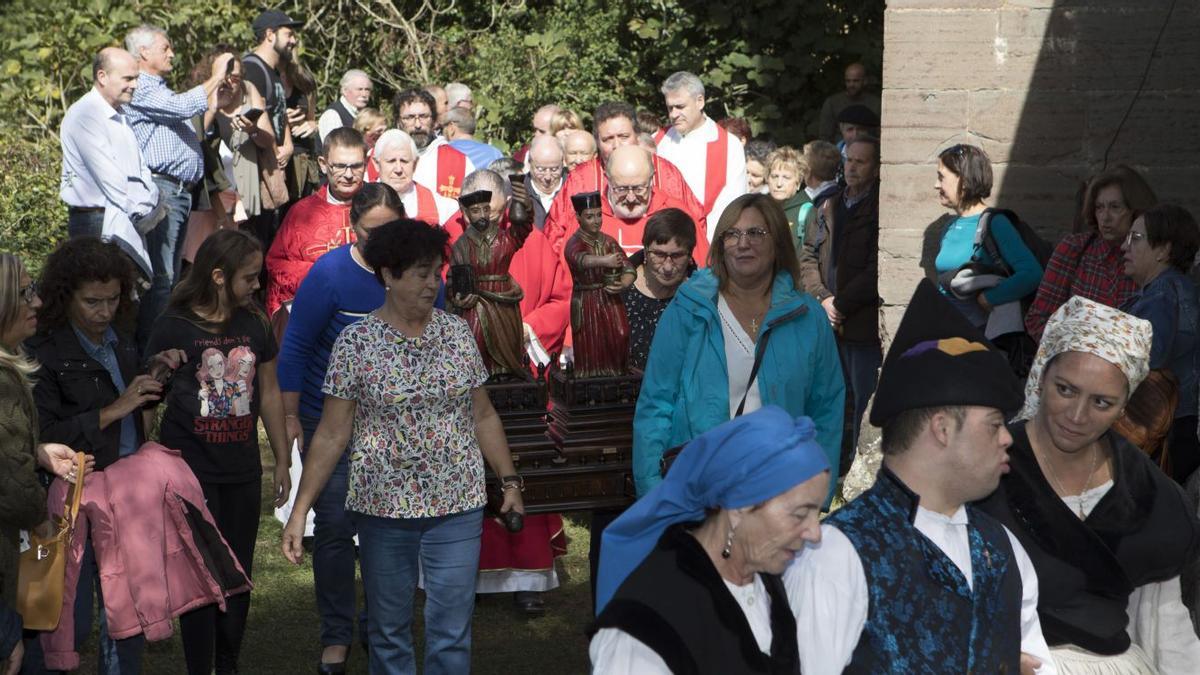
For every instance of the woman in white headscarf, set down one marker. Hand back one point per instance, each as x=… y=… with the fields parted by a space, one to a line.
x=1107 y=531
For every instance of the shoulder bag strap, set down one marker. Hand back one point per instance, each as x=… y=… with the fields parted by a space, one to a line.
x=758 y=357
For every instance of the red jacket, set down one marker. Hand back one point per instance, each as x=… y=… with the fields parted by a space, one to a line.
x=589 y=177
x=542 y=274
x=312 y=228
x=159 y=551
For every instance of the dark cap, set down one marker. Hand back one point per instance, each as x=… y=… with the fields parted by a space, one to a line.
x=585 y=200
x=858 y=115
x=939 y=359
x=273 y=18
x=476 y=197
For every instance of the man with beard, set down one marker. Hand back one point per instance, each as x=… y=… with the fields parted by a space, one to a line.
x=319 y=222
x=854 y=94
x=440 y=167
x=395 y=159
x=614 y=124
x=632 y=195
x=579 y=147
x=712 y=160
x=277 y=40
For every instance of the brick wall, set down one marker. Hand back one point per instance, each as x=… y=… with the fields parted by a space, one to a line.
x=1041 y=85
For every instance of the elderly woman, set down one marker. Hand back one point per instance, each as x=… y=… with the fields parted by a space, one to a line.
x=22 y=497
x=1108 y=533
x=787 y=171
x=1088 y=263
x=1158 y=252
x=689 y=575
x=404 y=392
x=964 y=181
x=757 y=152
x=739 y=335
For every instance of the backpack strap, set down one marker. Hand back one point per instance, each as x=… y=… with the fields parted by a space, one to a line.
x=985 y=241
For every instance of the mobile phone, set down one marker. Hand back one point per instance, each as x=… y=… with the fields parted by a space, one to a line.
x=462 y=279
x=229 y=66
x=253 y=114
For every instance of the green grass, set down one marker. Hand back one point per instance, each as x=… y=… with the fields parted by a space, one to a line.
x=282 y=635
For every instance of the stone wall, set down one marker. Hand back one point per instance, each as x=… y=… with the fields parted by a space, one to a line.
x=1042 y=86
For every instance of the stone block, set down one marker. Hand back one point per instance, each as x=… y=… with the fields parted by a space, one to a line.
x=1029 y=127
x=903 y=145
x=906 y=196
x=933 y=108
x=1163 y=128
x=905 y=5
x=900 y=241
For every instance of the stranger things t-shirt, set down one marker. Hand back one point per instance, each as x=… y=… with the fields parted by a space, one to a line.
x=212 y=400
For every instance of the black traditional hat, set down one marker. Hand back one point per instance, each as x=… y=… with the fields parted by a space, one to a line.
x=476 y=197
x=585 y=200
x=939 y=359
x=858 y=115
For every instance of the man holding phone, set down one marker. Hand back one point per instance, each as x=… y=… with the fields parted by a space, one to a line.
x=277 y=40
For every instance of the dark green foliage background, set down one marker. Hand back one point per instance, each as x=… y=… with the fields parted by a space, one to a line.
x=772 y=61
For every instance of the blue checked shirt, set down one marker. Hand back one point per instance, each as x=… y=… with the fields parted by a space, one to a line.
x=106 y=355
x=162 y=123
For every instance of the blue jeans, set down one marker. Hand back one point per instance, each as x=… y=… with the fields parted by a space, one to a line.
x=165 y=246
x=860 y=365
x=333 y=554
x=85 y=223
x=448 y=550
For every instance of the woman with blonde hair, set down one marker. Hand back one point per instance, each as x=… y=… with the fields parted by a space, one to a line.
x=787 y=169
x=563 y=122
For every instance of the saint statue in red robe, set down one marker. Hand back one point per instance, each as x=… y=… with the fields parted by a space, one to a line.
x=600 y=271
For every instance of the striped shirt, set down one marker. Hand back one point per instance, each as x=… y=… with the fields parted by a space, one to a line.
x=162 y=122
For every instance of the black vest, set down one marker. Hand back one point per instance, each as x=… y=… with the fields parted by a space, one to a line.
x=922 y=617
x=343 y=112
x=676 y=603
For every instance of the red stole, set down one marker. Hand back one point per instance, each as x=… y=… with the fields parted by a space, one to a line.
x=451 y=170
x=427 y=210
x=716 y=162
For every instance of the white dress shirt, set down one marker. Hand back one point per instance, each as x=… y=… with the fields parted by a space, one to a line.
x=330 y=119
x=690 y=154
x=827 y=589
x=102 y=167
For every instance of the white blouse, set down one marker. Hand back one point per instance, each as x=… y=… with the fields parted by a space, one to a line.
x=739 y=360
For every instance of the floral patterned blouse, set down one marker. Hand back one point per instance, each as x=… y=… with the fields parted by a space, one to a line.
x=413 y=451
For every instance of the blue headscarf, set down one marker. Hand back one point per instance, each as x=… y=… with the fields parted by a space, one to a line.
x=743 y=462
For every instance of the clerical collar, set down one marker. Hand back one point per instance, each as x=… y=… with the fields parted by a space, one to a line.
x=334 y=200
x=699 y=127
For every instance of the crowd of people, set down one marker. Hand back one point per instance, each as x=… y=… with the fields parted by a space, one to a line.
x=345 y=277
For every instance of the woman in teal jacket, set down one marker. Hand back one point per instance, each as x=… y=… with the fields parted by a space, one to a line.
x=704 y=346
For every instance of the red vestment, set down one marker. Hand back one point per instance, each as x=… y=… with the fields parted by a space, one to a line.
x=442 y=168
x=312 y=228
x=599 y=325
x=589 y=177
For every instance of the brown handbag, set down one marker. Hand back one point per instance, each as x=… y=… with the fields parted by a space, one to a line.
x=43 y=569
x=272 y=181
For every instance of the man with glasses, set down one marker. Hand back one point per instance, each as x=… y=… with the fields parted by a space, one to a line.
x=839 y=265
x=545 y=176
x=440 y=167
x=631 y=196
x=319 y=222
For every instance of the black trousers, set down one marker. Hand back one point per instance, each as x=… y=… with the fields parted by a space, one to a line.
x=209 y=635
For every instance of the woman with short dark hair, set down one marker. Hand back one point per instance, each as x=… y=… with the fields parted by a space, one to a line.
x=964 y=181
x=1089 y=263
x=1159 y=251
x=701 y=369
x=404 y=392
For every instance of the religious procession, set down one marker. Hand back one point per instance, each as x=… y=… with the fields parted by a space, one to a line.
x=650 y=390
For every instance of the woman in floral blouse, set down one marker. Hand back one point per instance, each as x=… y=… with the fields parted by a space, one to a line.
x=404 y=391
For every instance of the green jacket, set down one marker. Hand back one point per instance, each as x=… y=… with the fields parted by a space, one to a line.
x=22 y=497
x=794 y=209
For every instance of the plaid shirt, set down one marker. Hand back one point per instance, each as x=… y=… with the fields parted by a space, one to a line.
x=1083 y=264
x=162 y=123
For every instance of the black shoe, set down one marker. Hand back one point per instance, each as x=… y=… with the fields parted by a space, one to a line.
x=331 y=668
x=529 y=603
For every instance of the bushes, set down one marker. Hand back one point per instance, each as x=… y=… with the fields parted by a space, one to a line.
x=33 y=220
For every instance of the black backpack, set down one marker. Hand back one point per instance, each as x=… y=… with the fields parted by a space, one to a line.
x=1039 y=247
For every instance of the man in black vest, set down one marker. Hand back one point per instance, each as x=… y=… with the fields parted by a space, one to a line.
x=356 y=95
x=910 y=577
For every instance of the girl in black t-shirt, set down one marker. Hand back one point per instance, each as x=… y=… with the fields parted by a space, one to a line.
x=213 y=402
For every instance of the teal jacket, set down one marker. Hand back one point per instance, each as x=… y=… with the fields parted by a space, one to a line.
x=685 y=391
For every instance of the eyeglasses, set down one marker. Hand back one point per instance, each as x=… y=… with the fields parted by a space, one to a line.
x=545 y=170
x=29 y=293
x=662 y=257
x=754 y=235
x=412 y=117
x=1114 y=208
x=1134 y=237
x=637 y=190
x=346 y=168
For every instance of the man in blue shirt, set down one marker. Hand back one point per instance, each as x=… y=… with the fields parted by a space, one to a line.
x=458 y=127
x=162 y=123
